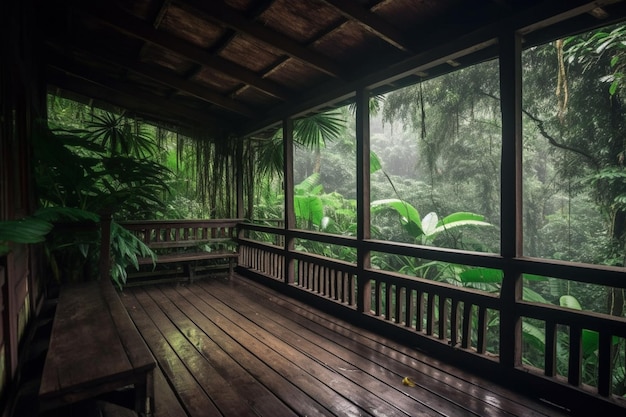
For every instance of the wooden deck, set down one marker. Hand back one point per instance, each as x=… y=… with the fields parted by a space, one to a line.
x=229 y=347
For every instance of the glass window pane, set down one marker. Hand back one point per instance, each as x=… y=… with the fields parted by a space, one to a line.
x=439 y=145
x=574 y=181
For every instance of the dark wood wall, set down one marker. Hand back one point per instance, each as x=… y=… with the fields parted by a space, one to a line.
x=22 y=104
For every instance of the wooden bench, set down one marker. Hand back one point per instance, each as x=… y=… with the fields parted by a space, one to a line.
x=95 y=349
x=190 y=243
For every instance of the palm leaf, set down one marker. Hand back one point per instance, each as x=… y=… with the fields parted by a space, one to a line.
x=315 y=130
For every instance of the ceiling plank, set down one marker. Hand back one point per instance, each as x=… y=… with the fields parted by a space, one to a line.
x=171 y=80
x=123 y=95
x=222 y=14
x=372 y=23
x=148 y=108
x=137 y=28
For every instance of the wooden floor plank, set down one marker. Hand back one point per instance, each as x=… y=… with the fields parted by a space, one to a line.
x=194 y=399
x=365 y=366
x=230 y=347
x=249 y=390
x=226 y=399
x=344 y=342
x=366 y=372
x=166 y=402
x=331 y=400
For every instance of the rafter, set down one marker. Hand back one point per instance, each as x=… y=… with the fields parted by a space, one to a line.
x=137 y=28
x=372 y=23
x=224 y=15
x=169 y=79
x=147 y=107
x=122 y=95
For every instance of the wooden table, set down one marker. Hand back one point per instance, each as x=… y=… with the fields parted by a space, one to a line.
x=95 y=349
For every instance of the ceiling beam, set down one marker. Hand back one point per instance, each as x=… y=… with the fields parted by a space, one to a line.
x=229 y=17
x=372 y=23
x=71 y=76
x=137 y=28
x=149 y=110
x=172 y=80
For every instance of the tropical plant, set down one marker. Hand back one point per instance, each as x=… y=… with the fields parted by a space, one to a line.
x=26 y=230
x=81 y=173
x=425 y=230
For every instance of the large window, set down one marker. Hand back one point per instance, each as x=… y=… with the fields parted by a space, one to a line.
x=574 y=149
x=439 y=143
x=325 y=172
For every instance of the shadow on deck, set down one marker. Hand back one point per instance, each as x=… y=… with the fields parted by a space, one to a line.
x=232 y=348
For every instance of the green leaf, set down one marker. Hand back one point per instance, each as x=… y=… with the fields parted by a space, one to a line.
x=533 y=296
x=569 y=301
x=429 y=223
x=533 y=277
x=309 y=209
x=408 y=213
x=483 y=275
x=534 y=335
x=460 y=219
x=375 y=164
x=308 y=184
x=55 y=214
x=28 y=230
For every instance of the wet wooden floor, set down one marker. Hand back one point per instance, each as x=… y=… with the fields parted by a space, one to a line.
x=232 y=348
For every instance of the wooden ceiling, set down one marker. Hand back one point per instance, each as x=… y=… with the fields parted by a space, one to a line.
x=240 y=66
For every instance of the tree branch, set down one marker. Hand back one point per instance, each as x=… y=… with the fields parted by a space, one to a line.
x=542 y=129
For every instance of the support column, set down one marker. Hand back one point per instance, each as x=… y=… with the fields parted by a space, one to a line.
x=239 y=179
x=511 y=196
x=290 y=215
x=363 y=199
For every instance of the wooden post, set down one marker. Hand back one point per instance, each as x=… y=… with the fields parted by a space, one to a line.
x=105 y=246
x=290 y=215
x=511 y=197
x=239 y=178
x=363 y=199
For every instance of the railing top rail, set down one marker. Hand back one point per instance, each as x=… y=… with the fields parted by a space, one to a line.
x=184 y=222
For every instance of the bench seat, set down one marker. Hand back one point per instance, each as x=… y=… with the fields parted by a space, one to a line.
x=95 y=349
x=184 y=246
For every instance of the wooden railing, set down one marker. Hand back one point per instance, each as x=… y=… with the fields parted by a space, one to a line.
x=477 y=329
x=172 y=233
x=190 y=245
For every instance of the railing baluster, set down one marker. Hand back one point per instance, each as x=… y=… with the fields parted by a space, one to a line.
x=409 y=309
x=389 y=289
x=466 y=337
x=481 y=345
x=399 y=299
x=430 y=314
x=454 y=322
x=419 y=303
x=443 y=317
x=605 y=364
x=550 y=349
x=378 y=298
x=574 y=371
x=352 y=289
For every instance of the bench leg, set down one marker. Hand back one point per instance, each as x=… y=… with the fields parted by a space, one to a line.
x=144 y=396
x=191 y=270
